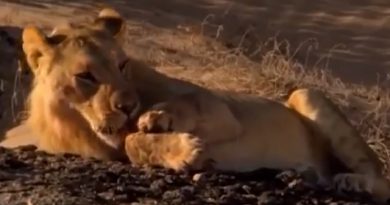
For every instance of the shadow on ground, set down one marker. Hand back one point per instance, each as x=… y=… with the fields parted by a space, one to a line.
x=14 y=82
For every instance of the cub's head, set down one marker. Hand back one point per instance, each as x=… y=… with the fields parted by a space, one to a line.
x=79 y=68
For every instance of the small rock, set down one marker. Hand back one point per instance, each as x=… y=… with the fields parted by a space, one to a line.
x=157 y=186
x=172 y=194
x=106 y=195
x=199 y=177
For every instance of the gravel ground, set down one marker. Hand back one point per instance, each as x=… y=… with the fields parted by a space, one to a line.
x=35 y=178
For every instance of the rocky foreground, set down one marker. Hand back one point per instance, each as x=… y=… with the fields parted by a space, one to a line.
x=35 y=178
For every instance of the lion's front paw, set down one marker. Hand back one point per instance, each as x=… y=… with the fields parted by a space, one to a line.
x=138 y=147
x=170 y=150
x=352 y=183
x=155 y=121
x=181 y=151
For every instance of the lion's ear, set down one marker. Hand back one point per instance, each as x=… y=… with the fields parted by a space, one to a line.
x=35 y=46
x=110 y=20
x=63 y=26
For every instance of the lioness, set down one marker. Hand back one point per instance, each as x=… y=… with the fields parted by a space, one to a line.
x=87 y=95
x=80 y=101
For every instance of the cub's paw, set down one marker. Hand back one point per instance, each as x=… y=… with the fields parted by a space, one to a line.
x=352 y=183
x=155 y=121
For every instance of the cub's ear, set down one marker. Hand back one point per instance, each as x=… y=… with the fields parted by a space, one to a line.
x=111 y=21
x=35 y=47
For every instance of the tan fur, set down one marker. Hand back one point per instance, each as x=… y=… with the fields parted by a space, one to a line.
x=80 y=102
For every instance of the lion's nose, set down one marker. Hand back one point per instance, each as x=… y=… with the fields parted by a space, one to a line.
x=125 y=101
x=126 y=108
x=105 y=129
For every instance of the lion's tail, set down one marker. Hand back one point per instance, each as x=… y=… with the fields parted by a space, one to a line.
x=327 y=120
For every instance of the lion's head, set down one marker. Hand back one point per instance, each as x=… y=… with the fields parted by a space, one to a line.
x=78 y=69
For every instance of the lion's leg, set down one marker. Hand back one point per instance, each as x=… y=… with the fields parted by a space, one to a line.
x=169 y=150
x=346 y=143
x=199 y=114
x=23 y=135
x=19 y=136
x=327 y=121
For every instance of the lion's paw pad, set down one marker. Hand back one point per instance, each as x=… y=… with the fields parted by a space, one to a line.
x=154 y=121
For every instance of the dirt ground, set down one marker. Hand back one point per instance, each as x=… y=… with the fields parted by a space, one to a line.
x=221 y=44
x=28 y=176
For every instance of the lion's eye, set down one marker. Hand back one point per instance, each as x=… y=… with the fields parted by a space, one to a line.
x=86 y=76
x=123 y=65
